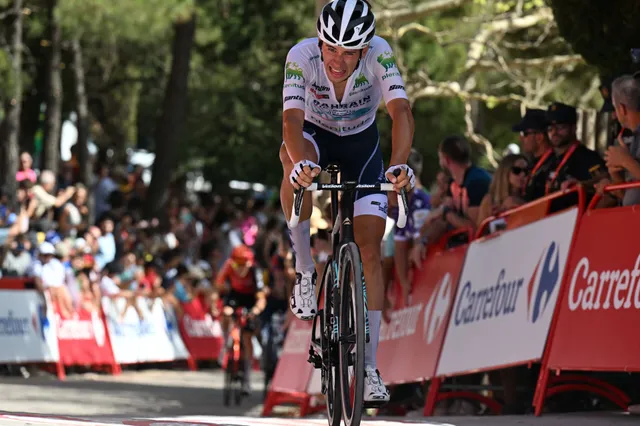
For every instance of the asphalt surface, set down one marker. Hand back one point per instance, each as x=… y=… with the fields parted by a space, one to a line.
x=179 y=398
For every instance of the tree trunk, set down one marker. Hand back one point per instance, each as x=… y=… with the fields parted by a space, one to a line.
x=54 y=93
x=171 y=121
x=13 y=107
x=82 y=106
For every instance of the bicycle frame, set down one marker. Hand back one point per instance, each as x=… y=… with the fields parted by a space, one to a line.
x=342 y=234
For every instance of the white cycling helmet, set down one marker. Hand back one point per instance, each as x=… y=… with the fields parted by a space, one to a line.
x=347 y=23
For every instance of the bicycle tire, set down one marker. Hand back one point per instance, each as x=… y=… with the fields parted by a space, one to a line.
x=352 y=334
x=333 y=399
x=228 y=381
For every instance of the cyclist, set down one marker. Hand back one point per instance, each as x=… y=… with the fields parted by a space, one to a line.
x=245 y=290
x=332 y=89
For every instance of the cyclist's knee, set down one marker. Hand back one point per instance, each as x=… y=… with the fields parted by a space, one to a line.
x=370 y=252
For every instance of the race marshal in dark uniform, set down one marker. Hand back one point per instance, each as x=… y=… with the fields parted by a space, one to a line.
x=569 y=162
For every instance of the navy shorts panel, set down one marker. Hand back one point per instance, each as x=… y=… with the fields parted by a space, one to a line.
x=359 y=155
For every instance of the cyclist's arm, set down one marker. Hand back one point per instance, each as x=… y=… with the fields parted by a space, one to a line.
x=401 y=130
x=222 y=277
x=381 y=60
x=296 y=73
x=261 y=299
x=292 y=124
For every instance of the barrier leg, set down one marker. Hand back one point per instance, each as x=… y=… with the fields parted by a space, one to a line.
x=432 y=397
x=541 y=390
x=191 y=363
x=304 y=406
x=62 y=375
x=267 y=408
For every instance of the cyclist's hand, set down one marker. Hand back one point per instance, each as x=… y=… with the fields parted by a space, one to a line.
x=303 y=173
x=406 y=179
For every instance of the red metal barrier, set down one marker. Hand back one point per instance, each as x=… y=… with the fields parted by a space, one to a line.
x=83 y=340
x=599 y=307
x=16 y=283
x=532 y=211
x=410 y=343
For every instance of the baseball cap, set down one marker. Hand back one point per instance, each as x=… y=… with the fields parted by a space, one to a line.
x=534 y=119
x=46 y=248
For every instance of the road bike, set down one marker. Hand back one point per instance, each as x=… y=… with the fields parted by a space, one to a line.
x=234 y=359
x=338 y=351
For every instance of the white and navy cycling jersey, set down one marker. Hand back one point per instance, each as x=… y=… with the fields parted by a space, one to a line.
x=345 y=132
x=307 y=87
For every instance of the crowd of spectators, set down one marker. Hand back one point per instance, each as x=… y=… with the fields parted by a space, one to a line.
x=83 y=241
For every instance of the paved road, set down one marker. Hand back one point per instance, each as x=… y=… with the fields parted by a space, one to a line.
x=180 y=398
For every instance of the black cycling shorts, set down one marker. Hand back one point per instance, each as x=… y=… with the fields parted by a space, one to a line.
x=360 y=160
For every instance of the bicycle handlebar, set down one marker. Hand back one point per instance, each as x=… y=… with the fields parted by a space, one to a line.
x=349 y=186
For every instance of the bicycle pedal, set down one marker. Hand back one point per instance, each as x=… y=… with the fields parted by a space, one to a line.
x=373 y=404
x=314 y=359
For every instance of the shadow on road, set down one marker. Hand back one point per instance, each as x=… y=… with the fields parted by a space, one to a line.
x=152 y=393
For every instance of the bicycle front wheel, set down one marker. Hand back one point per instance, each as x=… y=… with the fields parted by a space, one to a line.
x=330 y=346
x=351 y=335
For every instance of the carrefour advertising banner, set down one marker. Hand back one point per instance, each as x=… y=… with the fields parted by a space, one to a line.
x=507 y=295
x=27 y=328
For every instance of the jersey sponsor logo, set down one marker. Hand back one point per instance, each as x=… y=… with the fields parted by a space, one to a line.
x=355 y=92
x=387 y=60
x=318 y=95
x=390 y=74
x=313 y=58
x=383 y=207
x=396 y=87
x=293 y=98
x=294 y=86
x=357 y=126
x=293 y=71
x=353 y=104
x=320 y=88
x=361 y=80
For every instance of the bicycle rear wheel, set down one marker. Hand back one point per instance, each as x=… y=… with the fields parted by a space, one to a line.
x=352 y=335
x=330 y=363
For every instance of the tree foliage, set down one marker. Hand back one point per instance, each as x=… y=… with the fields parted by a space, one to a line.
x=602 y=31
x=471 y=66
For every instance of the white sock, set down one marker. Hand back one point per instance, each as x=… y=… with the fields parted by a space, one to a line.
x=371 y=348
x=301 y=244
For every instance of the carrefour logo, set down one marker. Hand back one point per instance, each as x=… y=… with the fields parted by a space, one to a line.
x=544 y=281
x=436 y=310
x=502 y=298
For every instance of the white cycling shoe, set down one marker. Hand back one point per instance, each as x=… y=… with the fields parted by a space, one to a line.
x=303 y=301
x=374 y=389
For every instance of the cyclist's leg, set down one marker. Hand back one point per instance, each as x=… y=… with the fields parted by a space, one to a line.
x=303 y=299
x=363 y=162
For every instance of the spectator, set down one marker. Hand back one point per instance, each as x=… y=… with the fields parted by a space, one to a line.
x=470 y=184
x=623 y=162
x=110 y=285
x=572 y=162
x=25 y=172
x=102 y=191
x=106 y=242
x=535 y=145
x=74 y=217
x=440 y=188
x=505 y=191
x=17 y=259
x=43 y=193
x=50 y=275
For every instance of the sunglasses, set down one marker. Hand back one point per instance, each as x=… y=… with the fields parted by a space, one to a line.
x=518 y=170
